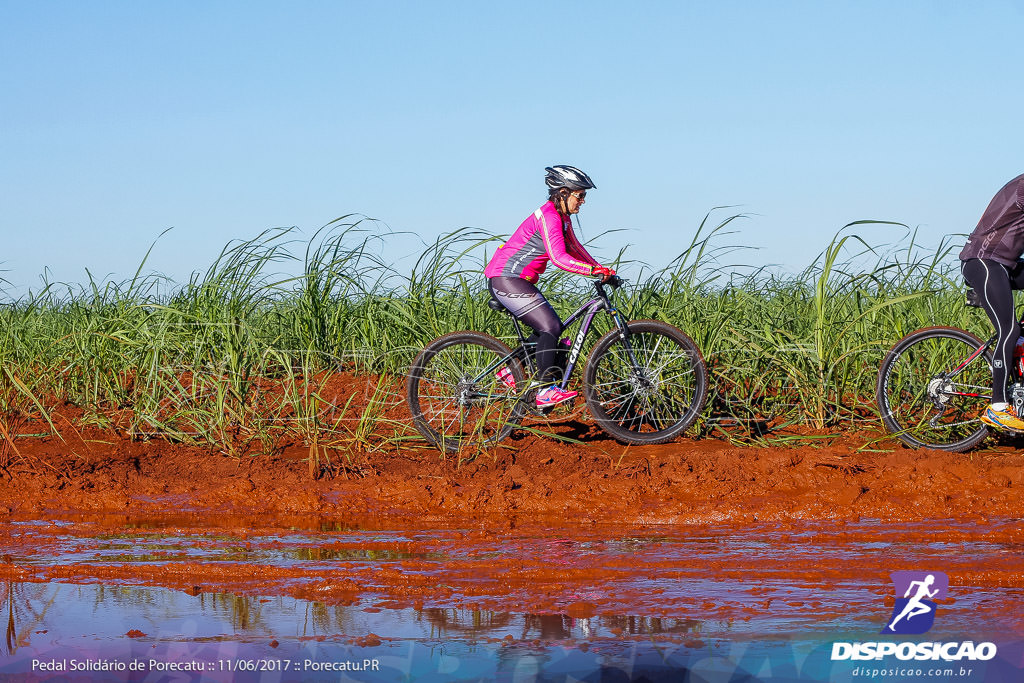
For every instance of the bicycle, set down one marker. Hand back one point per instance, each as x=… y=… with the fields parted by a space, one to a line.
x=934 y=384
x=644 y=382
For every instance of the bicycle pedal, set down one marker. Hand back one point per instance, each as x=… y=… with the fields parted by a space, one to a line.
x=1006 y=430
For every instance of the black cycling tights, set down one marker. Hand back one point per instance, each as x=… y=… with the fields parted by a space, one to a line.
x=524 y=301
x=994 y=284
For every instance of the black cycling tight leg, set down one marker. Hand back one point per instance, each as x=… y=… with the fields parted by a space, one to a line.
x=527 y=304
x=994 y=284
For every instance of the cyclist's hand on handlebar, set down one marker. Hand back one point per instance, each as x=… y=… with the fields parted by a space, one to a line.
x=605 y=273
x=614 y=282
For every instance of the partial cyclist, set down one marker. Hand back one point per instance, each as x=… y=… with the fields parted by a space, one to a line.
x=514 y=270
x=991 y=266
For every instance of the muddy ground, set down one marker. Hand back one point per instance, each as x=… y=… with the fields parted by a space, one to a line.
x=691 y=480
x=534 y=527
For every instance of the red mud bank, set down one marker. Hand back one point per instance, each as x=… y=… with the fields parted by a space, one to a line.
x=512 y=526
x=688 y=481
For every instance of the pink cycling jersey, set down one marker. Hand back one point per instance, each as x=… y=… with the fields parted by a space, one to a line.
x=541 y=238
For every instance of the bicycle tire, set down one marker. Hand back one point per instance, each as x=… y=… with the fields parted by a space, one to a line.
x=655 y=400
x=451 y=404
x=923 y=406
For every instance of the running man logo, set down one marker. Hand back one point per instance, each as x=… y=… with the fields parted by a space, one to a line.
x=914 y=612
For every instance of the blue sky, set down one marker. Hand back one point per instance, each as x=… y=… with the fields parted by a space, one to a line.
x=222 y=119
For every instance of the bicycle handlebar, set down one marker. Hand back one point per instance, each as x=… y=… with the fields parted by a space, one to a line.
x=614 y=282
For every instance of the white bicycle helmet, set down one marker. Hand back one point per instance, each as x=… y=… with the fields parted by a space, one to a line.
x=568 y=176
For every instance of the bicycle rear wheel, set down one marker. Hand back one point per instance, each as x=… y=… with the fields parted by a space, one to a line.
x=648 y=387
x=932 y=387
x=455 y=395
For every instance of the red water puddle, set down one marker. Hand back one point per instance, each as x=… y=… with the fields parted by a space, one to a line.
x=756 y=540
x=794 y=573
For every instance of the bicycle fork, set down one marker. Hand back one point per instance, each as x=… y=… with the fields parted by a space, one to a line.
x=624 y=335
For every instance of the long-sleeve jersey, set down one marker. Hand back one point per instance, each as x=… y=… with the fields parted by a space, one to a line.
x=1000 y=233
x=542 y=237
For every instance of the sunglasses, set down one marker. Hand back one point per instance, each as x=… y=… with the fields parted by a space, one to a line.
x=579 y=194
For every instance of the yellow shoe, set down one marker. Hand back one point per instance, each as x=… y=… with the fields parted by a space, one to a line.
x=1003 y=419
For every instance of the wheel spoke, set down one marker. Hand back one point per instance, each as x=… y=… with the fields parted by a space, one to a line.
x=923 y=403
x=455 y=395
x=646 y=392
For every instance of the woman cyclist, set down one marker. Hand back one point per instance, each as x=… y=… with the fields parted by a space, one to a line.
x=515 y=268
x=991 y=266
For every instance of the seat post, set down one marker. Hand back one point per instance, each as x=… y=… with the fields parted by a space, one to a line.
x=494 y=304
x=519 y=330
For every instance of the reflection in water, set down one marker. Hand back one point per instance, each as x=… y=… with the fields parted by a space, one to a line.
x=10 y=640
x=111 y=611
x=548 y=626
x=238 y=521
x=323 y=554
x=630 y=625
x=125 y=597
x=26 y=611
x=321 y=619
x=243 y=610
x=562 y=627
x=637 y=574
x=446 y=622
x=280 y=550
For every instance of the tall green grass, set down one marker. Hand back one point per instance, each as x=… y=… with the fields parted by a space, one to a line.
x=242 y=358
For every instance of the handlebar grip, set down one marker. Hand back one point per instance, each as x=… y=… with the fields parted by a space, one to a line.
x=614 y=282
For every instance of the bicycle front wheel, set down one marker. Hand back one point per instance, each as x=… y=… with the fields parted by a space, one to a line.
x=932 y=387
x=456 y=395
x=647 y=387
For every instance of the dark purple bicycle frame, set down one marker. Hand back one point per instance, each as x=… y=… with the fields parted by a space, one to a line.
x=587 y=311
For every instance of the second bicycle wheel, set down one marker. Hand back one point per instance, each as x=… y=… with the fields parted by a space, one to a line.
x=456 y=396
x=933 y=386
x=647 y=388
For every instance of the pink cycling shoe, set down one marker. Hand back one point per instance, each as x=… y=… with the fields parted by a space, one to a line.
x=505 y=377
x=553 y=395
